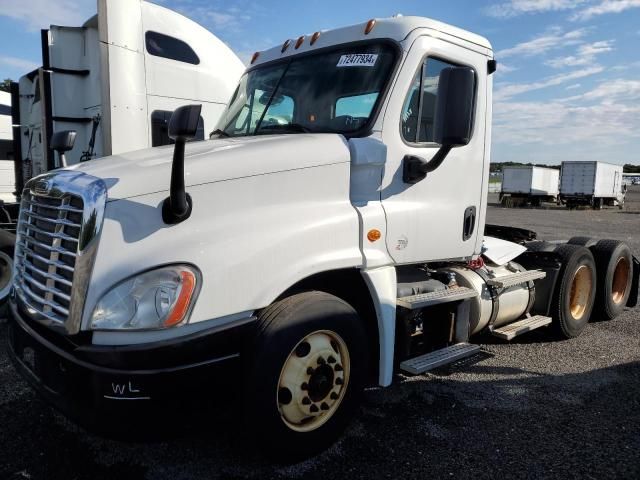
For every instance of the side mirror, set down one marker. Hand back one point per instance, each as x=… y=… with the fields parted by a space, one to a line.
x=453 y=123
x=63 y=142
x=454 y=106
x=183 y=124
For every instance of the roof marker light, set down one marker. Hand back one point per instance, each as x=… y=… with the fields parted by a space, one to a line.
x=255 y=57
x=370 y=24
x=314 y=38
x=300 y=41
x=285 y=45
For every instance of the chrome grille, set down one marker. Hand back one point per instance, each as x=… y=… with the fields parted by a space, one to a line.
x=49 y=231
x=58 y=229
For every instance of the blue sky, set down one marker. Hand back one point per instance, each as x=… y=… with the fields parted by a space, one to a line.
x=568 y=84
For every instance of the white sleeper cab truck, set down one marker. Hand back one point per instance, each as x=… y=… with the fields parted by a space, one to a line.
x=116 y=80
x=329 y=235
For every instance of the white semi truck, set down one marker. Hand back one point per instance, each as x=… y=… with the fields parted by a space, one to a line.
x=322 y=241
x=524 y=185
x=592 y=183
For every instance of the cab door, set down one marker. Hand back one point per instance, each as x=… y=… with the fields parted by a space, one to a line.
x=438 y=217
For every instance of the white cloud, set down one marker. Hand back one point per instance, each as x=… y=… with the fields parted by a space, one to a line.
x=606 y=115
x=573 y=86
x=513 y=8
x=605 y=6
x=508 y=90
x=18 y=63
x=585 y=55
x=503 y=68
x=552 y=39
x=42 y=13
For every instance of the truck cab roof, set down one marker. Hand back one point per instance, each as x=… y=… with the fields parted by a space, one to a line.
x=395 y=28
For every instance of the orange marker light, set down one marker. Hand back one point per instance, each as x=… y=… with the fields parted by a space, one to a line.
x=285 y=45
x=184 y=299
x=370 y=24
x=300 y=41
x=314 y=38
x=373 y=235
x=255 y=57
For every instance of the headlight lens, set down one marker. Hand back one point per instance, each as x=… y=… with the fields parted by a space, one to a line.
x=160 y=298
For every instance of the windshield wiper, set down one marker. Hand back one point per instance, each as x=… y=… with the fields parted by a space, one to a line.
x=220 y=133
x=292 y=127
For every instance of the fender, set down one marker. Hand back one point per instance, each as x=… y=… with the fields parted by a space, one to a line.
x=382 y=283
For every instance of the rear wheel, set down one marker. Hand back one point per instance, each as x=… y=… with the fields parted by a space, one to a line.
x=614 y=264
x=583 y=241
x=307 y=373
x=575 y=290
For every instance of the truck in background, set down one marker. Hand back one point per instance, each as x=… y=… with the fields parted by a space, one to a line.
x=7 y=175
x=528 y=185
x=591 y=183
x=321 y=241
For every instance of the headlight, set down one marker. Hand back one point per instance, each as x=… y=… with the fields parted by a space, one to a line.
x=155 y=299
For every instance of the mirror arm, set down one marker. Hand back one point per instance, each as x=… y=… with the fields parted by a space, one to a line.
x=177 y=207
x=415 y=168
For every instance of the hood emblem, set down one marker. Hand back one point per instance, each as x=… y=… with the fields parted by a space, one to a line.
x=43 y=187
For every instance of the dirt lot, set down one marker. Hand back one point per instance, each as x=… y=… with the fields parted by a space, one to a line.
x=535 y=409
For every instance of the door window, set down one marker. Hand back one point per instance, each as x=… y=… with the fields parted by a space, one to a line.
x=419 y=107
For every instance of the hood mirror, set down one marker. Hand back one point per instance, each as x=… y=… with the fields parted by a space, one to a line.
x=183 y=126
x=62 y=142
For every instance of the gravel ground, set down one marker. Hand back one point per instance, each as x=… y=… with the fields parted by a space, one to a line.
x=534 y=408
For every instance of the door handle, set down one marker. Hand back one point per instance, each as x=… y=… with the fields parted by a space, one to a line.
x=468 y=223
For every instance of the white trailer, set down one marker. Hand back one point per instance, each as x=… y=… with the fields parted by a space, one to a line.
x=116 y=79
x=320 y=242
x=523 y=185
x=591 y=183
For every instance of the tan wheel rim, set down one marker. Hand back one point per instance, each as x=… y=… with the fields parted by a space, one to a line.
x=313 y=381
x=581 y=286
x=620 y=280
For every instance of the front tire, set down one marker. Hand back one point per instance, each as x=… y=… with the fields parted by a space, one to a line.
x=307 y=371
x=574 y=295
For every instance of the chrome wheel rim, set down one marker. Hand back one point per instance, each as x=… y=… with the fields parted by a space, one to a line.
x=313 y=381
x=6 y=274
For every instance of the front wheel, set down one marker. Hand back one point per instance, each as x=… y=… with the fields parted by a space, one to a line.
x=306 y=373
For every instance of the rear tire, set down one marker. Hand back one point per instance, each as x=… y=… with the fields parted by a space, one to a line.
x=574 y=296
x=6 y=275
x=614 y=266
x=582 y=241
x=307 y=371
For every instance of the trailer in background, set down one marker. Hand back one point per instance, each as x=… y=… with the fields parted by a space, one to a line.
x=591 y=183
x=528 y=185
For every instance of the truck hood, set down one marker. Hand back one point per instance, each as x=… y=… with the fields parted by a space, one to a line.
x=148 y=171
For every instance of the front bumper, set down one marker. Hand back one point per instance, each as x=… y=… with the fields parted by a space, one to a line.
x=93 y=383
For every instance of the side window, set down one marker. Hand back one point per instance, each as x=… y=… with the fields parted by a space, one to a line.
x=160 y=128
x=419 y=107
x=165 y=46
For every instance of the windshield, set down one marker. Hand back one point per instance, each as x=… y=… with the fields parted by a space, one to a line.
x=331 y=91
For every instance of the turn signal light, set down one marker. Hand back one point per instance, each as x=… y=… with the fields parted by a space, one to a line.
x=255 y=57
x=373 y=235
x=285 y=45
x=184 y=299
x=314 y=38
x=370 y=24
x=300 y=41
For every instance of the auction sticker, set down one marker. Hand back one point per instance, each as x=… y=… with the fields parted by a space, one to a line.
x=358 y=60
